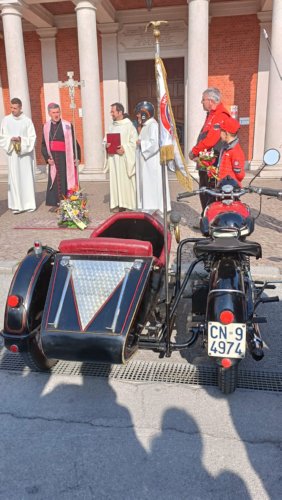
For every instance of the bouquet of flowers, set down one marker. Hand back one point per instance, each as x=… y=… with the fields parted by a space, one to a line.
x=206 y=161
x=73 y=210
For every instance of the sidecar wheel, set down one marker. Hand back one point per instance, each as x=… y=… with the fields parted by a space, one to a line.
x=35 y=358
x=227 y=379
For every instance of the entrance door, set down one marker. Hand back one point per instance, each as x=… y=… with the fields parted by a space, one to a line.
x=141 y=83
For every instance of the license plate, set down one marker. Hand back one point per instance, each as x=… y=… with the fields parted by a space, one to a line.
x=226 y=340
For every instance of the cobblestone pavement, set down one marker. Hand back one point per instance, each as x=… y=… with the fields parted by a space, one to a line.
x=16 y=241
x=18 y=232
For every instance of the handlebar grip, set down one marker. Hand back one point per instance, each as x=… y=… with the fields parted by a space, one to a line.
x=270 y=192
x=187 y=194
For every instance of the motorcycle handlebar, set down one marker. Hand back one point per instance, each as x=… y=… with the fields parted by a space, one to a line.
x=187 y=194
x=213 y=192
x=267 y=191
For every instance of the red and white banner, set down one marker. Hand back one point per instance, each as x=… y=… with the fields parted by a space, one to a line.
x=170 y=149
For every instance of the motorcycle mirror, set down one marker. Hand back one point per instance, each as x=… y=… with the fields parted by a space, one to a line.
x=271 y=157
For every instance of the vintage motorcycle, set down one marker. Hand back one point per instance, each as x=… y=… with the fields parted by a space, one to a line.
x=104 y=297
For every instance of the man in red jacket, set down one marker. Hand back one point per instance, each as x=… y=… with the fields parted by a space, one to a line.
x=209 y=137
x=232 y=159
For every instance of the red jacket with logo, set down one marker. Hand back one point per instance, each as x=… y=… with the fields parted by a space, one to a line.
x=209 y=136
x=232 y=162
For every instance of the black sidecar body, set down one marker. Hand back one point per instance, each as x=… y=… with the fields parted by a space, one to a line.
x=90 y=299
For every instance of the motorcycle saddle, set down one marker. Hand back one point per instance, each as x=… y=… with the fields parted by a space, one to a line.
x=226 y=246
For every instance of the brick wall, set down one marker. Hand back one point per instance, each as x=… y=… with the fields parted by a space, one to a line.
x=233 y=67
x=32 y=48
x=233 y=63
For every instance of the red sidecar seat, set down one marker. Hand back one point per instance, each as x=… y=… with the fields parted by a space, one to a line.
x=124 y=233
x=107 y=246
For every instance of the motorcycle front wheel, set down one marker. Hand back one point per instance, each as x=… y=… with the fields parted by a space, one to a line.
x=227 y=378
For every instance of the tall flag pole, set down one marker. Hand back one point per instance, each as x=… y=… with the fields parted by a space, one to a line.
x=169 y=145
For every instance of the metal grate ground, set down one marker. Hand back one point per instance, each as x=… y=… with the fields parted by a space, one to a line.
x=148 y=371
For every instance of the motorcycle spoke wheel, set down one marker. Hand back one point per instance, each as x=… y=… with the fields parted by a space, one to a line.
x=35 y=358
x=227 y=379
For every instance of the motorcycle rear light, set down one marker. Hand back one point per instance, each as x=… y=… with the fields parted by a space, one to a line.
x=226 y=363
x=14 y=348
x=226 y=317
x=13 y=301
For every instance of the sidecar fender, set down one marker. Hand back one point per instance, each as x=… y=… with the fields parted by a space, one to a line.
x=30 y=284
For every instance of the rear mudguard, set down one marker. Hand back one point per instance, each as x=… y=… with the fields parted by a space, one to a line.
x=227 y=290
x=30 y=284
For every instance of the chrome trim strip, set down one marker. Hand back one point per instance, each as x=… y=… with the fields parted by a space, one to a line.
x=117 y=311
x=58 y=313
x=226 y=290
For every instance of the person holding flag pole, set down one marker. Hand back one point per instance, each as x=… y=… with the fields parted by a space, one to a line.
x=170 y=154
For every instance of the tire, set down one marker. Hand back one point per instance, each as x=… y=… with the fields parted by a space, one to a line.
x=35 y=358
x=227 y=378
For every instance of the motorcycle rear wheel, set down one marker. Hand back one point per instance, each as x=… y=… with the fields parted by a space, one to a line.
x=35 y=358
x=227 y=378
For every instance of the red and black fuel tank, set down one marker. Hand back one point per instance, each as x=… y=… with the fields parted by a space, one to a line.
x=92 y=307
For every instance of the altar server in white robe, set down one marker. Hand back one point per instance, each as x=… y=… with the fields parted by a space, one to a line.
x=120 y=161
x=148 y=167
x=17 y=138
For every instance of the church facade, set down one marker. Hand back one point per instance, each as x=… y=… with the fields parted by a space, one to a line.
x=103 y=45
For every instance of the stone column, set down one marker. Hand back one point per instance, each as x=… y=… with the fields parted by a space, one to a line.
x=3 y=157
x=262 y=91
x=49 y=65
x=273 y=137
x=110 y=68
x=15 y=55
x=90 y=90
x=197 y=67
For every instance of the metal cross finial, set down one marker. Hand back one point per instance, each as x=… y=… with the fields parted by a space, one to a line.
x=71 y=84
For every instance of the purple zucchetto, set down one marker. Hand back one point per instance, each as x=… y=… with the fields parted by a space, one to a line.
x=52 y=105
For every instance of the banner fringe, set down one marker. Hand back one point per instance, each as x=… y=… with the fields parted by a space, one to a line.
x=167 y=153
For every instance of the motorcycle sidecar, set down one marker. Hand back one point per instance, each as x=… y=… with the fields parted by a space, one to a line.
x=89 y=300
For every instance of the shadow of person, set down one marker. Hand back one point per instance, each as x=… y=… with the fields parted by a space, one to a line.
x=3 y=207
x=189 y=215
x=67 y=437
x=106 y=199
x=267 y=221
x=40 y=197
x=176 y=463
